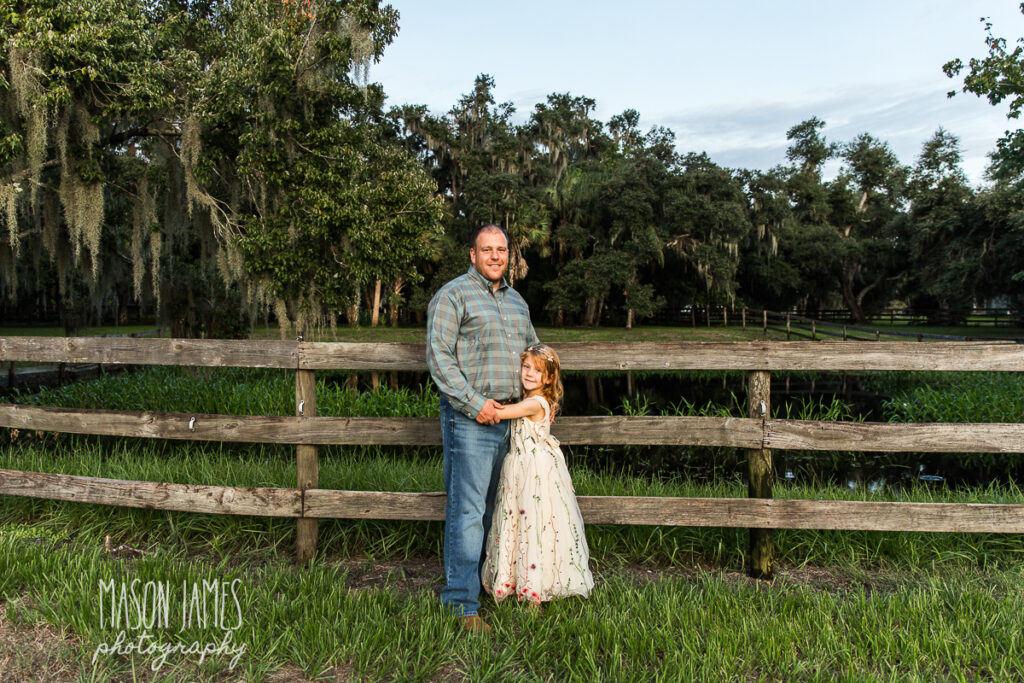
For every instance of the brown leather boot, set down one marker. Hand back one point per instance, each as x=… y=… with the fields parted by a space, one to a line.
x=474 y=624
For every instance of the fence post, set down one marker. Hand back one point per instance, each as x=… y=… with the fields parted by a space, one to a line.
x=814 y=330
x=760 y=474
x=787 y=327
x=725 y=317
x=307 y=466
x=844 y=332
x=744 y=314
x=764 y=322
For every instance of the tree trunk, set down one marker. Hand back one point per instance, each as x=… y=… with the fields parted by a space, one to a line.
x=396 y=293
x=375 y=316
x=352 y=312
x=590 y=312
x=592 y=398
x=849 y=297
x=629 y=319
x=600 y=309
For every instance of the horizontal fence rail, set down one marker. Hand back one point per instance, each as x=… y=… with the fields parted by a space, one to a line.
x=615 y=430
x=620 y=510
x=758 y=433
x=753 y=355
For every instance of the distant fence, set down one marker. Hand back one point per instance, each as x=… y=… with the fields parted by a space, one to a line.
x=758 y=433
x=836 y=324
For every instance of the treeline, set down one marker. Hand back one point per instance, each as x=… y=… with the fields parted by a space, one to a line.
x=218 y=163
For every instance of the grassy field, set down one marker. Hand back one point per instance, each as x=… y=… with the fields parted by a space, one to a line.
x=380 y=620
x=670 y=603
x=551 y=334
x=51 y=331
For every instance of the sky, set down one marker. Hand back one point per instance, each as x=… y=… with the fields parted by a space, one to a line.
x=728 y=77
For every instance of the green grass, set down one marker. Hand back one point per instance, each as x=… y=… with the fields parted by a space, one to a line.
x=548 y=334
x=670 y=604
x=419 y=470
x=692 y=625
x=959 y=397
x=230 y=391
x=973 y=331
x=51 y=331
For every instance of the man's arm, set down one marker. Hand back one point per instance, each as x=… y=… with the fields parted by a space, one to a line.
x=532 y=334
x=442 y=333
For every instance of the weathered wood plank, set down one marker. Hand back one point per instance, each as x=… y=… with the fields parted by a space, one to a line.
x=760 y=475
x=235 y=428
x=307 y=465
x=323 y=503
x=761 y=355
x=895 y=436
x=753 y=355
x=203 y=352
x=614 y=430
x=720 y=512
x=362 y=356
x=388 y=431
x=331 y=504
x=611 y=430
x=224 y=500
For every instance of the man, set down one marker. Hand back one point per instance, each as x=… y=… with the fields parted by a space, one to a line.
x=476 y=327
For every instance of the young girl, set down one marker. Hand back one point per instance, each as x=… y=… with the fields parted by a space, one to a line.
x=536 y=549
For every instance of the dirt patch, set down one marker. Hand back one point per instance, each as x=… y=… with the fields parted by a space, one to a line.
x=408 y=575
x=34 y=651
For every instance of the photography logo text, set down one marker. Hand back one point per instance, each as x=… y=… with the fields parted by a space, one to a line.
x=150 y=618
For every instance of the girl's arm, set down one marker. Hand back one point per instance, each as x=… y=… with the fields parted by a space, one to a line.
x=528 y=408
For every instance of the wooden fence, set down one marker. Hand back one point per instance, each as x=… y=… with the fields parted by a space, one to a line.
x=723 y=316
x=758 y=433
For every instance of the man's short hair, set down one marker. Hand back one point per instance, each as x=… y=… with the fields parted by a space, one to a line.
x=485 y=228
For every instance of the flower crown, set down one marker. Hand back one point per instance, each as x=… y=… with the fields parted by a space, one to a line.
x=542 y=350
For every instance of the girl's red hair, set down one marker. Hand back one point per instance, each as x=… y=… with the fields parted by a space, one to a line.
x=548 y=362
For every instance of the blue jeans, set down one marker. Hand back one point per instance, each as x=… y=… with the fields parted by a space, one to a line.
x=473 y=454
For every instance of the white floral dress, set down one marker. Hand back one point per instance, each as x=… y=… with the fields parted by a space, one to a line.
x=536 y=548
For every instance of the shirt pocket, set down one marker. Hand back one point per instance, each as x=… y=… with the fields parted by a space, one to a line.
x=520 y=326
x=468 y=353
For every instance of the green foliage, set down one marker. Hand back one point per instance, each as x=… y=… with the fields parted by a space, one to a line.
x=960 y=397
x=230 y=391
x=243 y=132
x=997 y=77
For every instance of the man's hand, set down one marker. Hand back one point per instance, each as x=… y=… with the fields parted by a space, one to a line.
x=487 y=414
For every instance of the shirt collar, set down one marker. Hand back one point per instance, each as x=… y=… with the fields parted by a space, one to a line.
x=484 y=281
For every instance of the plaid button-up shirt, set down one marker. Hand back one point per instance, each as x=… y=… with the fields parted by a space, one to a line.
x=474 y=337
